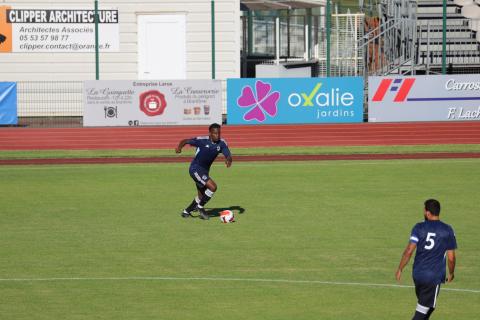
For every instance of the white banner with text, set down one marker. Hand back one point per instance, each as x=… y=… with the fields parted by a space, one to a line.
x=152 y=102
x=424 y=98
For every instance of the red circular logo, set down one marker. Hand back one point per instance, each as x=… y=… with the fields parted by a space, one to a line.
x=152 y=103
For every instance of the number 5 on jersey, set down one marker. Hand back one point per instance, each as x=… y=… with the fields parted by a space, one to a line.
x=430 y=241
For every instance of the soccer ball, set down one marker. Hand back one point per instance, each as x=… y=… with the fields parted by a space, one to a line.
x=227 y=216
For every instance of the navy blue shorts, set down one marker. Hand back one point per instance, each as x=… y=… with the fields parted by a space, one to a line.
x=427 y=294
x=200 y=176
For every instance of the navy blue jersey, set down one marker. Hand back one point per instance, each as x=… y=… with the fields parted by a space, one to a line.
x=207 y=151
x=433 y=239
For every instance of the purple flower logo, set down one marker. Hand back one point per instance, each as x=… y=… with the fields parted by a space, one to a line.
x=264 y=102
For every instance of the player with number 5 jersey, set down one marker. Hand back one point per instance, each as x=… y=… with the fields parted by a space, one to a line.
x=435 y=242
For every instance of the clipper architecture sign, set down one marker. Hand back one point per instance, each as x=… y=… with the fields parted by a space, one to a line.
x=424 y=98
x=57 y=30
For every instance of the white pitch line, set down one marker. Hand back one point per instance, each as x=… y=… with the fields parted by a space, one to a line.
x=358 y=284
x=241 y=164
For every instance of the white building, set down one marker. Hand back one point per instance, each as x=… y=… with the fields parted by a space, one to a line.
x=145 y=27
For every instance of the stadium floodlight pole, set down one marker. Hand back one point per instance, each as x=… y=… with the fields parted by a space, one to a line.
x=250 y=31
x=97 y=55
x=444 y=42
x=213 y=37
x=277 y=40
x=328 y=22
x=308 y=36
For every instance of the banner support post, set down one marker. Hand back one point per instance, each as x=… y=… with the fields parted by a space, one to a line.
x=97 y=55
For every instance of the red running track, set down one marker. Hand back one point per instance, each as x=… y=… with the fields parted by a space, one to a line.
x=362 y=134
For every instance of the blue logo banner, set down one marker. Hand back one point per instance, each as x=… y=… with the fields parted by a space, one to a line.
x=8 y=103
x=295 y=100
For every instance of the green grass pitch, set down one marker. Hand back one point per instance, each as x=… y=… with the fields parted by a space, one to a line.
x=107 y=241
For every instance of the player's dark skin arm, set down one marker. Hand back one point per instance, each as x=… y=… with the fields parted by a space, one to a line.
x=451 y=265
x=407 y=254
x=228 y=161
x=181 y=144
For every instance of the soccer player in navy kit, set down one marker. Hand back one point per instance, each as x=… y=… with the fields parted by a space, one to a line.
x=435 y=241
x=208 y=148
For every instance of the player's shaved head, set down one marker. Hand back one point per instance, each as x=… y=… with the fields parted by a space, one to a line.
x=214 y=126
x=433 y=206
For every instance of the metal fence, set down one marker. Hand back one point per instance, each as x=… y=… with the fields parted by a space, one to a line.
x=50 y=103
x=346 y=55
